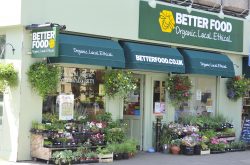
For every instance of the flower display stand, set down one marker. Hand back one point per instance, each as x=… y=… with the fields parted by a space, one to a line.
x=205 y=152
x=107 y=158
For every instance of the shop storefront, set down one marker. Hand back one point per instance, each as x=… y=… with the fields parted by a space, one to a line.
x=164 y=42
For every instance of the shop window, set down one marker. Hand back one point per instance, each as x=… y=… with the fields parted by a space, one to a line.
x=1 y=108
x=203 y=100
x=2 y=46
x=86 y=88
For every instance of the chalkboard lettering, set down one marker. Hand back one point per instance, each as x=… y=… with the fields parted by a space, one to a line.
x=245 y=133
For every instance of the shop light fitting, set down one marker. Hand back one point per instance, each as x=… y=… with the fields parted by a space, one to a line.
x=4 y=47
x=152 y=3
x=248 y=17
x=221 y=14
x=189 y=8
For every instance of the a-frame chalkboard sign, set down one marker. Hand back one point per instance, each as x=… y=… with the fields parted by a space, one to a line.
x=245 y=133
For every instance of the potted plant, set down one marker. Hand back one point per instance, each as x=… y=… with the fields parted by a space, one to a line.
x=65 y=157
x=217 y=145
x=236 y=87
x=104 y=154
x=119 y=83
x=8 y=76
x=204 y=149
x=179 y=89
x=175 y=146
x=188 y=143
x=91 y=157
x=43 y=78
x=47 y=143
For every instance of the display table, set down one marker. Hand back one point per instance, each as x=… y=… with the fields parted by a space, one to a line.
x=38 y=151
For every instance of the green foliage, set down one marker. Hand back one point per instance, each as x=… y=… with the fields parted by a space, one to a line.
x=176 y=142
x=44 y=78
x=104 y=117
x=179 y=89
x=50 y=117
x=166 y=135
x=119 y=83
x=65 y=156
x=91 y=155
x=8 y=76
x=238 y=145
x=115 y=135
x=236 y=87
x=209 y=133
x=103 y=151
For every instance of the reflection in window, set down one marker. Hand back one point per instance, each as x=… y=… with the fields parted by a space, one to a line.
x=203 y=101
x=2 y=46
x=159 y=97
x=87 y=87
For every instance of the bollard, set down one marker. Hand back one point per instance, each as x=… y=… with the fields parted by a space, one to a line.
x=158 y=133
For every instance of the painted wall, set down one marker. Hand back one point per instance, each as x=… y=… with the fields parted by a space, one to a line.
x=10 y=126
x=10 y=12
x=228 y=108
x=19 y=109
x=92 y=17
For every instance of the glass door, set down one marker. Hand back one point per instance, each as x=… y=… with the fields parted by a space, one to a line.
x=133 y=112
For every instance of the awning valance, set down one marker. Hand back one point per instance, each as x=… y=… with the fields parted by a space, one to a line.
x=153 y=58
x=199 y=62
x=91 y=51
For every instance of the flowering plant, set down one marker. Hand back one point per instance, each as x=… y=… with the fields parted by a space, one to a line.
x=179 y=89
x=97 y=138
x=95 y=126
x=119 y=83
x=236 y=87
x=217 y=144
x=190 y=140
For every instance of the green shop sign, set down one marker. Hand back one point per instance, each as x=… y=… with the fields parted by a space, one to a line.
x=45 y=43
x=176 y=25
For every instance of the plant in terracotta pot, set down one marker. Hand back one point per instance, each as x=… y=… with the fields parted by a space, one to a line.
x=175 y=146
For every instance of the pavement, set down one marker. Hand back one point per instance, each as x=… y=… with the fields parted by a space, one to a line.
x=144 y=158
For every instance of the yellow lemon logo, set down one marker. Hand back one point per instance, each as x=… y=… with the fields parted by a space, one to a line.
x=52 y=43
x=166 y=21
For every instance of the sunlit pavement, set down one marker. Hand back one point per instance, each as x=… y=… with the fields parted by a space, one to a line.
x=144 y=158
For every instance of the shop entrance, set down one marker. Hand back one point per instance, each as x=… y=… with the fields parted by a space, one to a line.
x=133 y=112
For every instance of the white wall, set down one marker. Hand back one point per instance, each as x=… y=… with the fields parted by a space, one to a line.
x=9 y=134
x=30 y=103
x=228 y=108
x=10 y=12
x=21 y=104
x=112 y=18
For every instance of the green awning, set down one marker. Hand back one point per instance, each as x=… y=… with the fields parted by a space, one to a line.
x=245 y=67
x=87 y=50
x=199 y=62
x=152 y=58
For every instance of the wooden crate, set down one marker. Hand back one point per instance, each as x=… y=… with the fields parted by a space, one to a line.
x=205 y=152
x=105 y=158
